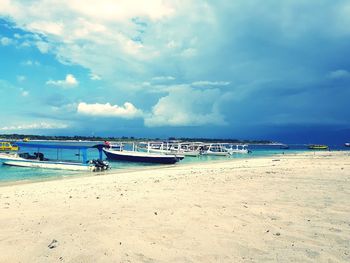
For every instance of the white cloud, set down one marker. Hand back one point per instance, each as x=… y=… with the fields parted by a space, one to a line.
x=5 y=41
x=189 y=52
x=65 y=109
x=210 y=83
x=34 y=126
x=163 y=78
x=21 y=78
x=172 y=44
x=121 y=10
x=24 y=92
x=46 y=27
x=94 y=76
x=339 y=74
x=69 y=82
x=43 y=46
x=184 y=106
x=127 y=111
x=121 y=34
x=30 y=63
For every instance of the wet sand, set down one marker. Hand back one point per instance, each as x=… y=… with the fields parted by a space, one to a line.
x=289 y=208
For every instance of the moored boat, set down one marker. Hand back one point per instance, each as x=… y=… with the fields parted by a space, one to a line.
x=20 y=161
x=318 y=147
x=347 y=144
x=145 y=157
x=38 y=160
x=215 y=149
x=7 y=146
x=171 y=148
x=239 y=148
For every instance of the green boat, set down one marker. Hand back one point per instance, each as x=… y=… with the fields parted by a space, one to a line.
x=318 y=147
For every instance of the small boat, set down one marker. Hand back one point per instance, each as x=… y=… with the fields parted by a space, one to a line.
x=38 y=160
x=347 y=144
x=318 y=147
x=7 y=146
x=144 y=157
x=26 y=139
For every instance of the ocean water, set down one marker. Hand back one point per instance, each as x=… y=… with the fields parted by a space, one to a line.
x=12 y=174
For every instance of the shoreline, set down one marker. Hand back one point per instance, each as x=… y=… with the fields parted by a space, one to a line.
x=132 y=169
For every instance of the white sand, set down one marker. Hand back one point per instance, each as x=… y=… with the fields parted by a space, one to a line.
x=292 y=208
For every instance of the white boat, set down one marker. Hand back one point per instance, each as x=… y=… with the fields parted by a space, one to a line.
x=37 y=160
x=239 y=148
x=190 y=149
x=171 y=148
x=16 y=160
x=190 y=153
x=215 y=149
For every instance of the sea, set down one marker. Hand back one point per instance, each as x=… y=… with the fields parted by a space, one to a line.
x=11 y=174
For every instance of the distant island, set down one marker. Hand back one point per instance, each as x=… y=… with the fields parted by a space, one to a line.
x=17 y=137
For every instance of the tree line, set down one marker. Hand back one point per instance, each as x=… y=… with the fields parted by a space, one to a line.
x=124 y=138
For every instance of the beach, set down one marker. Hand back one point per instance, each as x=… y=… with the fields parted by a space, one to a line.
x=281 y=208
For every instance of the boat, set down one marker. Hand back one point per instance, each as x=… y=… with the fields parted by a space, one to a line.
x=318 y=147
x=239 y=148
x=38 y=160
x=7 y=146
x=171 y=148
x=215 y=149
x=26 y=139
x=189 y=149
x=347 y=144
x=138 y=156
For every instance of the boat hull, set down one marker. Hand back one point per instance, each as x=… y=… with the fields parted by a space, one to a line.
x=238 y=151
x=210 y=153
x=15 y=160
x=47 y=165
x=179 y=154
x=141 y=157
x=318 y=147
x=191 y=153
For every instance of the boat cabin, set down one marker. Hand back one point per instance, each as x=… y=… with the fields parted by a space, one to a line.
x=7 y=146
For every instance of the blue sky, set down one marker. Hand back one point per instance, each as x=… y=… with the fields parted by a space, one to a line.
x=276 y=70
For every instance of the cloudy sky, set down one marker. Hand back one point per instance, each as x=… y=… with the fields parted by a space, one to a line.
x=268 y=69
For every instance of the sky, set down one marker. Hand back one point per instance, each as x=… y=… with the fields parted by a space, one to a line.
x=276 y=70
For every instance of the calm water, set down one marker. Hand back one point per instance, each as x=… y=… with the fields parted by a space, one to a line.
x=9 y=173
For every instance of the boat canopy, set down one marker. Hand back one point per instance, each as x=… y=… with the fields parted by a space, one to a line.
x=54 y=146
x=82 y=148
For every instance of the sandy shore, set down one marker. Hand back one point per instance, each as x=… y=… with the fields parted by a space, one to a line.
x=291 y=208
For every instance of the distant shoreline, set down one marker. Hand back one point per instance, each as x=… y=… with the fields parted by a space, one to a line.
x=19 y=137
